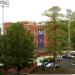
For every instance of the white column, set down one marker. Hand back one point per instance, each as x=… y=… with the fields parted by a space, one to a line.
x=3 y=3
x=2 y=18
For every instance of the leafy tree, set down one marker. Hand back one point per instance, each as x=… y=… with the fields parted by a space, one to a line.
x=72 y=17
x=53 y=27
x=71 y=28
x=56 y=30
x=72 y=38
x=61 y=36
x=54 y=14
x=19 y=47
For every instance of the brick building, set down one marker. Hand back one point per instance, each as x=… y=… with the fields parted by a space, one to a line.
x=40 y=38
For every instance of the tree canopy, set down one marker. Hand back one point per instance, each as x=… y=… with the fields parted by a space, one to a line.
x=18 y=47
x=55 y=28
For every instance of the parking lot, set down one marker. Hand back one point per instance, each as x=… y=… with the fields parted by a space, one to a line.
x=66 y=68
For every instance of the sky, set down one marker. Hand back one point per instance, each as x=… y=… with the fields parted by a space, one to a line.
x=31 y=10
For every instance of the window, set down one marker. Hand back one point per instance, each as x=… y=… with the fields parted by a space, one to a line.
x=40 y=29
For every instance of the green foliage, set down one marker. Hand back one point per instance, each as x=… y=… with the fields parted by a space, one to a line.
x=72 y=17
x=18 y=46
x=72 y=29
x=61 y=39
x=53 y=13
x=56 y=30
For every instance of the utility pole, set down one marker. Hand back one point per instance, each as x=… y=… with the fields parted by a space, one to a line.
x=3 y=3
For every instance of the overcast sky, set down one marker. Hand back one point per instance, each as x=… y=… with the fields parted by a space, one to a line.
x=31 y=10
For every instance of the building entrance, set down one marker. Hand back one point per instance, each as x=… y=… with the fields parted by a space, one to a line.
x=40 y=40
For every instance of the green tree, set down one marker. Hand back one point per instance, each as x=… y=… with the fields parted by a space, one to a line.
x=72 y=38
x=72 y=29
x=19 y=47
x=55 y=30
x=72 y=17
x=61 y=36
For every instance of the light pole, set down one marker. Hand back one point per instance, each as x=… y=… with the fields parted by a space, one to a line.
x=69 y=31
x=3 y=3
x=69 y=34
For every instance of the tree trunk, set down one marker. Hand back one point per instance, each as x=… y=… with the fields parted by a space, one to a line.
x=18 y=70
x=5 y=71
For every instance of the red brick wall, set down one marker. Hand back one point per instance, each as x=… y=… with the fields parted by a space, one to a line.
x=32 y=27
x=6 y=26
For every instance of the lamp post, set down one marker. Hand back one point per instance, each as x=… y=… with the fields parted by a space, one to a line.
x=69 y=34
x=3 y=3
x=69 y=31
